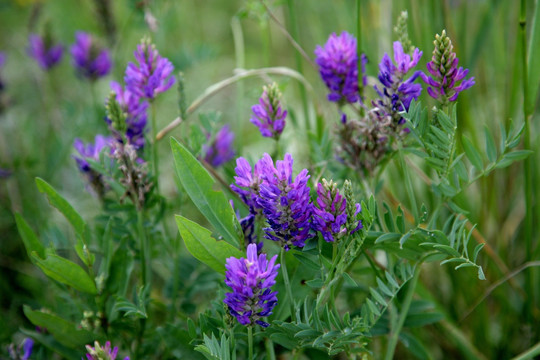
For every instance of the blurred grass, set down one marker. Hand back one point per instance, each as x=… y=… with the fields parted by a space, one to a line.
x=196 y=36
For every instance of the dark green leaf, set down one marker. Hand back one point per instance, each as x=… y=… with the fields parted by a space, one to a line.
x=305 y=260
x=66 y=272
x=199 y=185
x=349 y=280
x=204 y=247
x=30 y=239
x=62 y=205
x=472 y=154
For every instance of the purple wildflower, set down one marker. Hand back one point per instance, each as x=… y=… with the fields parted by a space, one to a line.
x=445 y=74
x=44 y=52
x=285 y=202
x=248 y=181
x=397 y=93
x=89 y=60
x=330 y=216
x=251 y=280
x=152 y=75
x=2 y=63
x=23 y=351
x=89 y=151
x=102 y=353
x=220 y=150
x=136 y=111
x=268 y=115
x=338 y=66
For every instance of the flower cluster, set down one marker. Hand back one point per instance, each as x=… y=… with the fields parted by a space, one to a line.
x=220 y=150
x=284 y=202
x=23 y=351
x=251 y=280
x=444 y=71
x=89 y=151
x=136 y=114
x=102 y=353
x=331 y=215
x=268 y=115
x=397 y=93
x=44 y=51
x=338 y=66
x=90 y=61
x=152 y=74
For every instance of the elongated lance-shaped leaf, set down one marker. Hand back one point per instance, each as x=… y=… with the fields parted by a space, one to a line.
x=64 y=331
x=62 y=205
x=30 y=239
x=199 y=185
x=66 y=272
x=204 y=247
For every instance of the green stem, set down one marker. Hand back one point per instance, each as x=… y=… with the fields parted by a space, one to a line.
x=287 y=284
x=529 y=354
x=527 y=166
x=155 y=146
x=394 y=334
x=270 y=352
x=408 y=186
x=359 y=46
x=293 y=29
x=145 y=256
x=250 y=342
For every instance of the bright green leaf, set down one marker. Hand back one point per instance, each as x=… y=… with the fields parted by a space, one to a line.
x=199 y=185
x=204 y=247
x=472 y=154
x=30 y=239
x=66 y=272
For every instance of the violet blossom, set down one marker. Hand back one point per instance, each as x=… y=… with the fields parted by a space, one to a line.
x=338 y=67
x=44 y=51
x=89 y=151
x=220 y=149
x=268 y=115
x=251 y=279
x=152 y=75
x=102 y=353
x=444 y=71
x=90 y=60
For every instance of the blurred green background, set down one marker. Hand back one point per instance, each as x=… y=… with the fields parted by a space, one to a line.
x=197 y=36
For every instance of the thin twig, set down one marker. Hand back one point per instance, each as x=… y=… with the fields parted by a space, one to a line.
x=288 y=36
x=495 y=285
x=217 y=87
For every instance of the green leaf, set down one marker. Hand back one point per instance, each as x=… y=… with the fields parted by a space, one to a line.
x=66 y=272
x=349 y=280
x=533 y=60
x=305 y=260
x=491 y=150
x=447 y=250
x=64 y=331
x=30 y=239
x=477 y=251
x=315 y=283
x=472 y=153
x=50 y=343
x=199 y=185
x=387 y=237
x=56 y=200
x=204 y=247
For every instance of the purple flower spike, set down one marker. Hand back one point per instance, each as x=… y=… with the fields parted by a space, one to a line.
x=89 y=60
x=285 y=203
x=102 y=353
x=136 y=111
x=152 y=75
x=268 y=115
x=444 y=71
x=90 y=151
x=251 y=280
x=248 y=182
x=2 y=63
x=46 y=54
x=220 y=150
x=330 y=216
x=338 y=66
x=397 y=93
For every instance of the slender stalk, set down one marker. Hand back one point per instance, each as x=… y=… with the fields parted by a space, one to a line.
x=293 y=29
x=270 y=353
x=394 y=334
x=155 y=146
x=527 y=166
x=408 y=186
x=287 y=284
x=529 y=354
x=359 y=45
x=250 y=342
x=145 y=256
